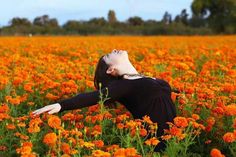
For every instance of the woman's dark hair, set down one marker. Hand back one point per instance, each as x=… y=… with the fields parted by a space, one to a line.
x=101 y=76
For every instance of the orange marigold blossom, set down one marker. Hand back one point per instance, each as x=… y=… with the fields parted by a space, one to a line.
x=175 y=131
x=54 y=122
x=98 y=143
x=147 y=119
x=10 y=126
x=216 y=153
x=50 y=139
x=24 y=150
x=181 y=122
x=125 y=152
x=100 y=153
x=152 y=141
x=33 y=125
x=166 y=137
x=195 y=116
x=65 y=147
x=230 y=110
x=143 y=132
x=4 y=108
x=229 y=137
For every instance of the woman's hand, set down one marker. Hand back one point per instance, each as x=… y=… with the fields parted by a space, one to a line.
x=54 y=108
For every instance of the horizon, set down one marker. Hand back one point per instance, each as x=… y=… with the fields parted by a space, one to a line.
x=84 y=11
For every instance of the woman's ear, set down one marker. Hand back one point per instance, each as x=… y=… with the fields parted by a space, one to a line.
x=110 y=70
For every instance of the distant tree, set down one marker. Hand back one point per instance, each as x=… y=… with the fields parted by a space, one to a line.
x=197 y=21
x=71 y=25
x=16 y=21
x=45 y=21
x=98 y=21
x=166 y=18
x=151 y=22
x=220 y=14
x=177 y=18
x=112 y=17
x=53 y=22
x=135 y=21
x=41 y=20
x=184 y=17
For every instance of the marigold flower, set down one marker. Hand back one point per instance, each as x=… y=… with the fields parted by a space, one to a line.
x=195 y=116
x=50 y=96
x=112 y=147
x=98 y=143
x=4 y=108
x=10 y=126
x=50 y=139
x=24 y=150
x=181 y=122
x=229 y=137
x=54 y=122
x=230 y=110
x=166 y=137
x=152 y=141
x=120 y=125
x=100 y=153
x=143 y=132
x=65 y=147
x=147 y=119
x=128 y=152
x=216 y=153
x=175 y=131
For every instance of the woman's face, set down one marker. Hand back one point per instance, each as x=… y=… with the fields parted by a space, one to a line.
x=117 y=59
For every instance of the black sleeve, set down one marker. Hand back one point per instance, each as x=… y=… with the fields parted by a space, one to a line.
x=115 y=89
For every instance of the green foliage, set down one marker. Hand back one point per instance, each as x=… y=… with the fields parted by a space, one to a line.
x=220 y=14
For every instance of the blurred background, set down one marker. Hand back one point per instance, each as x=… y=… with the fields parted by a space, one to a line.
x=112 y=17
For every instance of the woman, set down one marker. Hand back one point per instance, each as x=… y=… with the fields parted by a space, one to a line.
x=141 y=95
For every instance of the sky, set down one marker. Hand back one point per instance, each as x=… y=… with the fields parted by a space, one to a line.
x=65 y=10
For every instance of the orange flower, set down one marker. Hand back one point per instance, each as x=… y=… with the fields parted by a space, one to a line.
x=216 y=153
x=28 y=87
x=98 y=143
x=33 y=125
x=4 y=108
x=10 y=126
x=100 y=153
x=143 y=132
x=153 y=141
x=120 y=125
x=65 y=147
x=230 y=110
x=181 y=122
x=128 y=152
x=195 y=116
x=175 y=131
x=51 y=96
x=229 y=137
x=24 y=150
x=54 y=122
x=147 y=119
x=166 y=137
x=50 y=139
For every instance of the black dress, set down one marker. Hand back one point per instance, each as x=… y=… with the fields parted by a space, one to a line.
x=142 y=96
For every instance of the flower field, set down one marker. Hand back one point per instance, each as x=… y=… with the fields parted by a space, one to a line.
x=38 y=71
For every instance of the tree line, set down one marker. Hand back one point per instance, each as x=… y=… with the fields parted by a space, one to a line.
x=208 y=17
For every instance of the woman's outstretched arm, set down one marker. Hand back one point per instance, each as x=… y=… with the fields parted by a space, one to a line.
x=81 y=100
x=114 y=91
